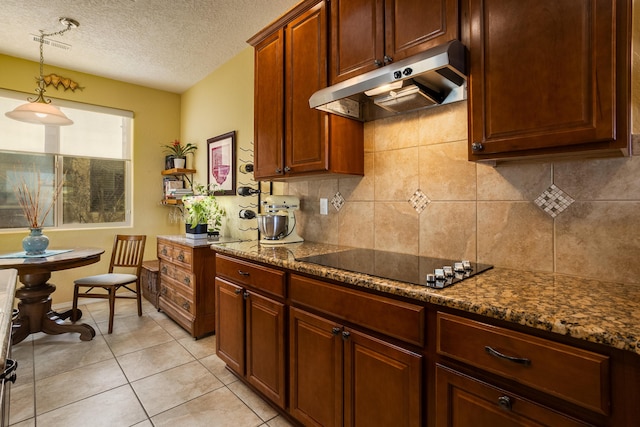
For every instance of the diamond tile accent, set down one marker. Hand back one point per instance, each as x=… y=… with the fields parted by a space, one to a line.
x=554 y=201
x=337 y=201
x=419 y=201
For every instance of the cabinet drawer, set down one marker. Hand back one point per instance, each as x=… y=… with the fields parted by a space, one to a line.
x=246 y=273
x=466 y=401
x=573 y=374
x=390 y=317
x=176 y=254
x=184 y=302
x=183 y=277
x=183 y=318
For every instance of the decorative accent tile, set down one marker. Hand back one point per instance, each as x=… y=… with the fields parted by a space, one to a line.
x=337 y=201
x=419 y=201
x=554 y=201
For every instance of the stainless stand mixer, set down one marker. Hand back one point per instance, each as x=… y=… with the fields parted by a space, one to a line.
x=277 y=223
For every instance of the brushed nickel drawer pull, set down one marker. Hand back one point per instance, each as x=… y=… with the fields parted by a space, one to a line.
x=243 y=273
x=519 y=360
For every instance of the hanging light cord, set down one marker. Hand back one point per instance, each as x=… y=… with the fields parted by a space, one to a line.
x=40 y=90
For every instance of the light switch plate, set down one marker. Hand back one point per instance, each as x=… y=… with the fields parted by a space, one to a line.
x=324 y=207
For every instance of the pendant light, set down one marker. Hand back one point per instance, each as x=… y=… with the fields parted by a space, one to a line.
x=39 y=110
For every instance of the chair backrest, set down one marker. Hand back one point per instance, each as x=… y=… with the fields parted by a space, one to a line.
x=128 y=251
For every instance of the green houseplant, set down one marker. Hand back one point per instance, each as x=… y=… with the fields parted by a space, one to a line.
x=176 y=150
x=203 y=208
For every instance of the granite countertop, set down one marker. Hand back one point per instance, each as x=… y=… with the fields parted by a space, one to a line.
x=7 y=292
x=587 y=309
x=195 y=243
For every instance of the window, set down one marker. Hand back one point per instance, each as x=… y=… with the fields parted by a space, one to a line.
x=92 y=156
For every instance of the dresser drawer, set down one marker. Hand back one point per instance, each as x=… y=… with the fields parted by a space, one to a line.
x=184 y=277
x=573 y=374
x=396 y=319
x=176 y=254
x=246 y=273
x=184 y=302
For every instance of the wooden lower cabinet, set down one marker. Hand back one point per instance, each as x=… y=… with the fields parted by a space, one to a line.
x=340 y=376
x=462 y=401
x=186 y=285
x=250 y=338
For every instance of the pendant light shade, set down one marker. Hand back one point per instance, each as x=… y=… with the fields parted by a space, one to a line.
x=39 y=110
x=39 y=113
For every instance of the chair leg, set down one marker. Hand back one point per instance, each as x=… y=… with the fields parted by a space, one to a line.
x=138 y=298
x=74 y=309
x=112 y=306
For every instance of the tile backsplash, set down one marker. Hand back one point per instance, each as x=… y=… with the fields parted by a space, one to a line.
x=475 y=211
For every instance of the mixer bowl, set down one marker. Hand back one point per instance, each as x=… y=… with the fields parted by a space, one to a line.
x=272 y=226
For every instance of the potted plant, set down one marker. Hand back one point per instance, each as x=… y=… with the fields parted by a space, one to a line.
x=203 y=214
x=177 y=154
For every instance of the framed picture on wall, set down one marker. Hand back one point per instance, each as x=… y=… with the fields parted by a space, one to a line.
x=221 y=160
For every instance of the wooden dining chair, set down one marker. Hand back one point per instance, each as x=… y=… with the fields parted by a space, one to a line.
x=127 y=254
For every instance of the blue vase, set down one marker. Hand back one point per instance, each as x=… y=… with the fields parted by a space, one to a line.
x=35 y=243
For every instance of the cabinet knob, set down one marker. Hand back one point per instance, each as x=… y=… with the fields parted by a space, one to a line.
x=187 y=280
x=388 y=59
x=335 y=330
x=278 y=170
x=287 y=169
x=243 y=273
x=163 y=291
x=377 y=63
x=181 y=257
x=245 y=295
x=164 y=269
x=346 y=335
x=238 y=291
x=186 y=305
x=477 y=146
x=504 y=402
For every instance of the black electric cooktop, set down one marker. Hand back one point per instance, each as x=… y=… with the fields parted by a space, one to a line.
x=397 y=266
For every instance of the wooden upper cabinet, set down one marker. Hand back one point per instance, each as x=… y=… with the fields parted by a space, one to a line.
x=305 y=73
x=268 y=109
x=547 y=77
x=291 y=139
x=367 y=34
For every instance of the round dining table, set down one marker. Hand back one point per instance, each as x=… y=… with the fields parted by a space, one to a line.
x=35 y=313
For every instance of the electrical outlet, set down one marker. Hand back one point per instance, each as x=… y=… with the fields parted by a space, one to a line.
x=324 y=207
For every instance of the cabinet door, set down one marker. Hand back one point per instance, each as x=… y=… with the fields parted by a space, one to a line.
x=382 y=383
x=265 y=346
x=357 y=37
x=465 y=401
x=306 y=72
x=413 y=26
x=315 y=358
x=269 y=102
x=230 y=325
x=545 y=84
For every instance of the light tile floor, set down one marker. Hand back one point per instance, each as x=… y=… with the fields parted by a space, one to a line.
x=148 y=372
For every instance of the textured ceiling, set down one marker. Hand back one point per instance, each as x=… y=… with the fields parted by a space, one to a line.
x=163 y=44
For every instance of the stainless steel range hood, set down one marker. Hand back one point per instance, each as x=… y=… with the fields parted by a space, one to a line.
x=434 y=77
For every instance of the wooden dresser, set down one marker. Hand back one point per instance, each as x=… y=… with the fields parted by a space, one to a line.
x=186 y=273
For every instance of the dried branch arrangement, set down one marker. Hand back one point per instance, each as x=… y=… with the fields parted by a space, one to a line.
x=29 y=198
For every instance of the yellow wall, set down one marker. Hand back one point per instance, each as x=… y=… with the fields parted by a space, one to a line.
x=156 y=122
x=220 y=103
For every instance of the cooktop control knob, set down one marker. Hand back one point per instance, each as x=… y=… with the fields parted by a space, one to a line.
x=448 y=271
x=439 y=273
x=458 y=267
x=431 y=278
x=466 y=264
x=397 y=74
x=407 y=71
